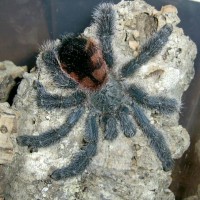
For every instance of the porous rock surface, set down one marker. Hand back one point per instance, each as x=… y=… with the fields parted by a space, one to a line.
x=8 y=128
x=8 y=74
x=125 y=168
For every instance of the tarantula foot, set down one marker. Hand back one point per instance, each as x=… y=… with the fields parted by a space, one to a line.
x=168 y=165
x=57 y=175
x=26 y=141
x=110 y=137
x=23 y=141
x=76 y=167
x=61 y=174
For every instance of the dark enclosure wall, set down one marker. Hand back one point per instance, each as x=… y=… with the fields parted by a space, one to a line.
x=26 y=24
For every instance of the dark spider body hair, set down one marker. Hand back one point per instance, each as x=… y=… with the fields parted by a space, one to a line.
x=83 y=61
x=82 y=65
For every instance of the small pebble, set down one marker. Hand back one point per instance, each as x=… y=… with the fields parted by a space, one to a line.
x=169 y=9
x=136 y=34
x=133 y=45
x=2 y=66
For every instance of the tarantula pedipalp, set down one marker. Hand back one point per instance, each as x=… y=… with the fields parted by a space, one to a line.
x=80 y=64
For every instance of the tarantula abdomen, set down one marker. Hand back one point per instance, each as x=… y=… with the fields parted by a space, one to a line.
x=82 y=60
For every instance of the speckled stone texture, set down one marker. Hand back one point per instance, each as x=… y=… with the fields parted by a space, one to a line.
x=125 y=168
x=9 y=72
x=8 y=129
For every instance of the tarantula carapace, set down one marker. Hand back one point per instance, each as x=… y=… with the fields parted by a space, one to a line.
x=86 y=66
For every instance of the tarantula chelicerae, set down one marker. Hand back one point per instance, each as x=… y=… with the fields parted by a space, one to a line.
x=85 y=66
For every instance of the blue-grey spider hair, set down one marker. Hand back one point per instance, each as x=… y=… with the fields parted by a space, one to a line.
x=86 y=67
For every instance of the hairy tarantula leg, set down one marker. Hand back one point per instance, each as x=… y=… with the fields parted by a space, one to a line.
x=52 y=136
x=126 y=123
x=148 y=50
x=157 y=140
x=162 y=104
x=82 y=159
x=110 y=127
x=51 y=101
x=49 y=57
x=104 y=17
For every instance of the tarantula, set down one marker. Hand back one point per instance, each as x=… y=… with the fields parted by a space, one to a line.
x=86 y=66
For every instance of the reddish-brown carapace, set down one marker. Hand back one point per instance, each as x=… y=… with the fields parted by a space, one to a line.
x=83 y=61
